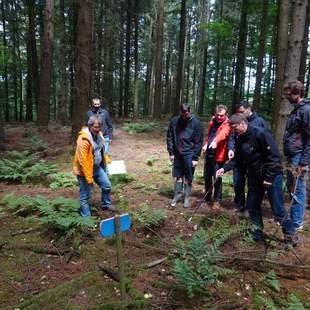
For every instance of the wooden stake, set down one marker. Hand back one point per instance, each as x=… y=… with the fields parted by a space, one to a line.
x=120 y=261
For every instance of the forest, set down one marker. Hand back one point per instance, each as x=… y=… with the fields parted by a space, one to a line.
x=143 y=59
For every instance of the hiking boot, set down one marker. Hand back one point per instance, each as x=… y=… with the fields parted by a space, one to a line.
x=187 y=192
x=216 y=205
x=299 y=227
x=291 y=240
x=109 y=208
x=178 y=186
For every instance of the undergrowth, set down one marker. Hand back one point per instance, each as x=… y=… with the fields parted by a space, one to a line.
x=23 y=167
x=147 y=217
x=139 y=127
x=62 y=180
x=59 y=214
x=195 y=267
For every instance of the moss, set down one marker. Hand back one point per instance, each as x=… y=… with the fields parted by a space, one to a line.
x=85 y=291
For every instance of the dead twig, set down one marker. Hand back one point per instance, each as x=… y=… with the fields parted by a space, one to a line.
x=156 y=262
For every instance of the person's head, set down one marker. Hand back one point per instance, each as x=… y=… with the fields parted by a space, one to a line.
x=94 y=124
x=221 y=112
x=185 y=111
x=96 y=103
x=243 y=107
x=238 y=123
x=294 y=92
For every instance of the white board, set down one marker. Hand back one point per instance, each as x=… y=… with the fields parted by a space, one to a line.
x=117 y=167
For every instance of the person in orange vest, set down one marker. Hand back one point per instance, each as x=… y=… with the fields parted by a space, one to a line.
x=215 y=150
x=89 y=165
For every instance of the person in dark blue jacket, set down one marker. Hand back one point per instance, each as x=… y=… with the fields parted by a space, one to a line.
x=184 y=143
x=107 y=128
x=239 y=175
x=296 y=142
x=257 y=151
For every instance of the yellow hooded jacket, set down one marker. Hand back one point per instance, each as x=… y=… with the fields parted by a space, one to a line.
x=83 y=162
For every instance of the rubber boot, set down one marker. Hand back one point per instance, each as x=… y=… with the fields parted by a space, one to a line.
x=178 y=186
x=187 y=192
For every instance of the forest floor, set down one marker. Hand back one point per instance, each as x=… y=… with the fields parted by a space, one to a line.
x=31 y=280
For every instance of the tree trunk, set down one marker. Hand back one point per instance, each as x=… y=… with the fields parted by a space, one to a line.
x=46 y=65
x=136 y=59
x=5 y=73
x=180 y=67
x=167 y=101
x=107 y=84
x=62 y=101
x=188 y=60
x=240 y=65
x=261 y=54
x=292 y=61
x=82 y=65
x=194 y=89
x=127 y=65
x=159 y=60
x=121 y=61
x=305 y=42
x=33 y=52
x=2 y=132
x=29 y=95
x=218 y=55
x=205 y=16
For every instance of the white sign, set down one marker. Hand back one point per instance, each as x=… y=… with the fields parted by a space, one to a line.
x=117 y=167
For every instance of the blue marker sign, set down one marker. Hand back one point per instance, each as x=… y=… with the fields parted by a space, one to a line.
x=107 y=226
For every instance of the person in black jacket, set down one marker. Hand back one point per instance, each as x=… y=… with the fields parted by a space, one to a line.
x=257 y=151
x=239 y=175
x=296 y=142
x=107 y=128
x=184 y=143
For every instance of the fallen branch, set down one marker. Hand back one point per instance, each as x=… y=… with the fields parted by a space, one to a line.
x=109 y=272
x=23 y=231
x=148 y=247
x=156 y=262
x=32 y=248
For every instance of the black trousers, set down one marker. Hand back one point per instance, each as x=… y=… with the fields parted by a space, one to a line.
x=210 y=168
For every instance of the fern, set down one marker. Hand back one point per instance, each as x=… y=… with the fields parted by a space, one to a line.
x=62 y=180
x=60 y=214
x=195 y=269
x=271 y=281
x=294 y=303
x=36 y=144
x=139 y=127
x=23 y=166
x=148 y=217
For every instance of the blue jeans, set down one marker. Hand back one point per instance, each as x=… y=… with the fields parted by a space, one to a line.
x=255 y=196
x=107 y=145
x=298 y=192
x=183 y=167
x=103 y=182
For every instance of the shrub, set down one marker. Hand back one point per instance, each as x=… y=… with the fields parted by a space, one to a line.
x=23 y=167
x=148 y=217
x=62 y=180
x=58 y=214
x=139 y=127
x=195 y=268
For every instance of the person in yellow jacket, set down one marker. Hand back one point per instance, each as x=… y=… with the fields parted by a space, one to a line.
x=89 y=164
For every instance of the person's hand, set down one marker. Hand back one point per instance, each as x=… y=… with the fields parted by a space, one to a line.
x=111 y=141
x=219 y=173
x=303 y=169
x=204 y=148
x=194 y=163
x=231 y=154
x=172 y=158
x=213 y=145
x=267 y=184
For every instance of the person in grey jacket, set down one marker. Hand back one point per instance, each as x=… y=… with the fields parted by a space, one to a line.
x=296 y=142
x=107 y=128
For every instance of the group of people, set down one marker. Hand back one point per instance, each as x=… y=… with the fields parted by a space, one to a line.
x=243 y=143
